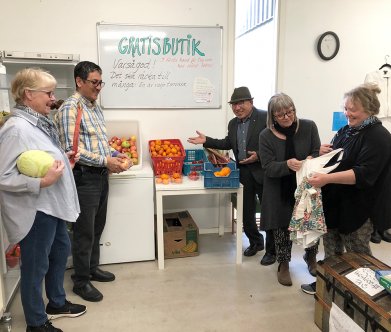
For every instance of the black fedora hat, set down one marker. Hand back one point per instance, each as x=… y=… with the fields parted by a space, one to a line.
x=239 y=94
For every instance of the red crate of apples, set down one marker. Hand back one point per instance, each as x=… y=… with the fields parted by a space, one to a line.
x=127 y=146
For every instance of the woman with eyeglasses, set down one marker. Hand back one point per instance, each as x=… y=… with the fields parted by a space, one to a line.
x=34 y=211
x=283 y=146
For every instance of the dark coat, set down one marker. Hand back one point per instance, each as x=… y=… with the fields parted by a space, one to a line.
x=276 y=212
x=257 y=124
x=348 y=207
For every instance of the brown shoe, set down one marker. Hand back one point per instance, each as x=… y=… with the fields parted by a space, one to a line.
x=283 y=275
x=310 y=259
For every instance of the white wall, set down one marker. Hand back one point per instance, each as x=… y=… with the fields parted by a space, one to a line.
x=317 y=86
x=255 y=62
x=69 y=26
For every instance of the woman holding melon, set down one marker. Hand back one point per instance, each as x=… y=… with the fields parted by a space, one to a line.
x=35 y=207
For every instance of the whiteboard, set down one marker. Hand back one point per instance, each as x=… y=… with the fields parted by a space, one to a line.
x=148 y=66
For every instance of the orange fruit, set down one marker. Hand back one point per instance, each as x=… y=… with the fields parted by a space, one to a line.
x=166 y=181
x=159 y=180
x=164 y=176
x=225 y=171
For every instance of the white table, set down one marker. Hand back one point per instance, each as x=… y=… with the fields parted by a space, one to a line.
x=189 y=187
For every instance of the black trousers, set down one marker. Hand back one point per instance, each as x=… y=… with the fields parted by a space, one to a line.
x=93 y=189
x=252 y=191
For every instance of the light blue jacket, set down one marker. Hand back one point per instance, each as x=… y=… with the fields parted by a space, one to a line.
x=21 y=196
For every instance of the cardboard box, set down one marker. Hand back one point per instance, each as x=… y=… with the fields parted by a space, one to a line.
x=180 y=234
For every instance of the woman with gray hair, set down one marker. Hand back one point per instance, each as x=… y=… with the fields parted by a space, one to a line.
x=359 y=188
x=283 y=146
x=35 y=210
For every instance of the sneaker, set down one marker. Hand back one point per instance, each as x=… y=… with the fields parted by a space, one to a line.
x=47 y=327
x=309 y=288
x=67 y=310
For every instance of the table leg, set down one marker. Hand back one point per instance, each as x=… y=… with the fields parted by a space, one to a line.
x=159 y=230
x=239 y=225
x=222 y=213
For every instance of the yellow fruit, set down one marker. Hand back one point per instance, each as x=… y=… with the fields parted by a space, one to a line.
x=190 y=247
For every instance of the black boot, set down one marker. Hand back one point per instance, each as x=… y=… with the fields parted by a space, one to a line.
x=375 y=236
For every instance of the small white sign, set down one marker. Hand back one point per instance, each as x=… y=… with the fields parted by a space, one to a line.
x=341 y=322
x=365 y=278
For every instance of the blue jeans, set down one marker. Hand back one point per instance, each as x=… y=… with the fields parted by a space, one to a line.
x=44 y=252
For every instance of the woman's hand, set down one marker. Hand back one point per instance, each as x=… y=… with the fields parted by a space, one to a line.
x=53 y=174
x=318 y=180
x=325 y=148
x=200 y=139
x=294 y=164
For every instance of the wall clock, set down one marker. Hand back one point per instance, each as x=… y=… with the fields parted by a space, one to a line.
x=328 y=45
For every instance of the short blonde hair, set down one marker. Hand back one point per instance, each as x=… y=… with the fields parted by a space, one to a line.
x=366 y=95
x=31 y=79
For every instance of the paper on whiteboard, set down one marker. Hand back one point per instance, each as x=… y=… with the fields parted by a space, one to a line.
x=341 y=322
x=365 y=278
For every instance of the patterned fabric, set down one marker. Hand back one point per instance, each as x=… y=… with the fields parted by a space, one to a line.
x=44 y=123
x=357 y=241
x=308 y=223
x=284 y=245
x=93 y=141
x=307 y=212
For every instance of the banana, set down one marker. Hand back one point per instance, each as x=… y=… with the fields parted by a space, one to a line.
x=190 y=247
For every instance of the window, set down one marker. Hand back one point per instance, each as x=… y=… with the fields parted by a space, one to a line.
x=253 y=13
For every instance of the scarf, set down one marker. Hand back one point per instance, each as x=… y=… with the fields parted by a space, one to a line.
x=43 y=123
x=288 y=182
x=344 y=137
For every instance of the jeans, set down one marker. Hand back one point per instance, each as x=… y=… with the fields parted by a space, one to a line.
x=93 y=190
x=44 y=252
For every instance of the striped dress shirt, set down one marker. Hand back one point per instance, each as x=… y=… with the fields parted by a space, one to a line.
x=93 y=142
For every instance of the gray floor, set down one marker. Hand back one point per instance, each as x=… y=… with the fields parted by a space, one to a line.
x=207 y=293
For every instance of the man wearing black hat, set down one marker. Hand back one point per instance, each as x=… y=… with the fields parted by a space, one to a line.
x=242 y=138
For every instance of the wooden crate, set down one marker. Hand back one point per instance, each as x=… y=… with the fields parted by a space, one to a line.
x=371 y=313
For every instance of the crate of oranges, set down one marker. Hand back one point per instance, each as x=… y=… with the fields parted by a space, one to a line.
x=167 y=156
x=221 y=175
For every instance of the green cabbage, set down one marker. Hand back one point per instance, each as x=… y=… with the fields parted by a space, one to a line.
x=34 y=163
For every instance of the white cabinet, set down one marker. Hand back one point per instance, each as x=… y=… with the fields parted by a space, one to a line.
x=9 y=274
x=129 y=232
x=61 y=66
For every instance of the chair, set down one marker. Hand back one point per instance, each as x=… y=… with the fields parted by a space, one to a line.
x=233 y=210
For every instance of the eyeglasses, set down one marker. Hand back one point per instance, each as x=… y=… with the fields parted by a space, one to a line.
x=49 y=93
x=281 y=116
x=96 y=83
x=239 y=103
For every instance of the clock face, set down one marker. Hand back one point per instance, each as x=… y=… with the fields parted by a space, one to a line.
x=328 y=45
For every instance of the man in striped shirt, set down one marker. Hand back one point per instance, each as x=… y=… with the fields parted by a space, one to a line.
x=91 y=176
